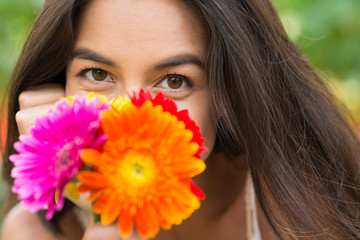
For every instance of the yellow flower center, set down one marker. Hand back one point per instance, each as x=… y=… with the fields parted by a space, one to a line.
x=137 y=169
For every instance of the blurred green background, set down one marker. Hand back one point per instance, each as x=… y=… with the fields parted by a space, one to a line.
x=328 y=31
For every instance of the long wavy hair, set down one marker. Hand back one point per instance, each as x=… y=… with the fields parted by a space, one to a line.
x=268 y=101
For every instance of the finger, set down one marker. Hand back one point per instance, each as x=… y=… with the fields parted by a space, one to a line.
x=99 y=232
x=25 y=118
x=47 y=94
x=82 y=203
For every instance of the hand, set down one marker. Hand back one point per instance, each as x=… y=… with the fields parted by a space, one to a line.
x=35 y=102
x=99 y=232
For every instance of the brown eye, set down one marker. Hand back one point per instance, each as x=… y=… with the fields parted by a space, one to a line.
x=95 y=74
x=99 y=75
x=174 y=82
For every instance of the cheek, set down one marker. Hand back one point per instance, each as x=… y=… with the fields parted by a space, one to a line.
x=208 y=131
x=202 y=115
x=71 y=86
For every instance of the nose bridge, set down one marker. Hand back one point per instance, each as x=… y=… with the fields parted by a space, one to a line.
x=131 y=84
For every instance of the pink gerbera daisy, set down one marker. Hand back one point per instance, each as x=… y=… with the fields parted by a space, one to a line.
x=49 y=158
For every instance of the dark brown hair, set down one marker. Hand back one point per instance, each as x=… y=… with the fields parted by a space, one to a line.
x=269 y=103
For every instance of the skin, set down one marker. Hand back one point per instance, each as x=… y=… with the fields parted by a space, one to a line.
x=141 y=39
x=159 y=46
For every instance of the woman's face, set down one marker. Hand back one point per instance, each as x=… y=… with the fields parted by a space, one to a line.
x=122 y=46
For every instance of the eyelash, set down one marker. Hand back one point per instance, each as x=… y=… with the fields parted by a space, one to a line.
x=88 y=69
x=85 y=70
x=189 y=83
x=182 y=77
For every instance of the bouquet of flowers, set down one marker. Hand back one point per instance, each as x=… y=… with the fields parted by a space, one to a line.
x=136 y=156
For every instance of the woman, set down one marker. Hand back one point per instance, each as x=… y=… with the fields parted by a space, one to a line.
x=264 y=111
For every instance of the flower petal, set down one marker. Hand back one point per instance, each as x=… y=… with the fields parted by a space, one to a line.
x=93 y=179
x=147 y=222
x=110 y=212
x=125 y=224
x=90 y=156
x=100 y=204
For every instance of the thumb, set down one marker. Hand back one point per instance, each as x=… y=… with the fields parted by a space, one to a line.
x=97 y=231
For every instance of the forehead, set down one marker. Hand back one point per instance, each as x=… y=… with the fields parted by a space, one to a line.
x=141 y=25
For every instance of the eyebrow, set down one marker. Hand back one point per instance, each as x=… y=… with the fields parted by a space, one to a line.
x=179 y=60
x=87 y=54
x=84 y=53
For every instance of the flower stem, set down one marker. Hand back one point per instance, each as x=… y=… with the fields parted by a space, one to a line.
x=95 y=217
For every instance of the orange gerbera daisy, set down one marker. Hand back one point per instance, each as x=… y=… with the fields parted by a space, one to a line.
x=142 y=174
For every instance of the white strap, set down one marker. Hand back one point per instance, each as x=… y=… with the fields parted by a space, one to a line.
x=253 y=229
